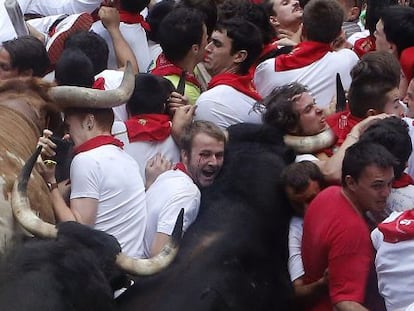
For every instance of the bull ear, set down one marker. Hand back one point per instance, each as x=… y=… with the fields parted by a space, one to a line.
x=83 y=97
x=20 y=203
x=159 y=262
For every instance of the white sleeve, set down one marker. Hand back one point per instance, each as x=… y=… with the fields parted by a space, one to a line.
x=295 y=264
x=263 y=77
x=190 y=201
x=54 y=7
x=85 y=176
x=306 y=157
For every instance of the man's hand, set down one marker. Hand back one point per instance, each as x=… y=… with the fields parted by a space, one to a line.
x=109 y=17
x=45 y=166
x=183 y=116
x=155 y=167
x=175 y=101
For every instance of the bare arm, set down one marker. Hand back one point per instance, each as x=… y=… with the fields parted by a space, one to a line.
x=308 y=293
x=349 y=306
x=159 y=241
x=110 y=19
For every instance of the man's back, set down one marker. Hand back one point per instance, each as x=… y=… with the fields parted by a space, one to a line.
x=319 y=76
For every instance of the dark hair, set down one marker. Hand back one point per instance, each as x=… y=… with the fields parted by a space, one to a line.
x=133 y=6
x=399 y=26
x=156 y=15
x=74 y=68
x=322 y=20
x=250 y=12
x=278 y=106
x=196 y=127
x=392 y=133
x=362 y=154
x=150 y=94
x=179 y=30
x=374 y=9
x=93 y=45
x=27 y=53
x=207 y=7
x=297 y=175
x=103 y=117
x=244 y=36
x=373 y=77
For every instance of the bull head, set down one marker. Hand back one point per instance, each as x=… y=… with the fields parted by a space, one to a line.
x=83 y=97
x=26 y=217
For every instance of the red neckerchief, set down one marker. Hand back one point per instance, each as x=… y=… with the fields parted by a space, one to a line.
x=407 y=62
x=270 y=47
x=148 y=127
x=180 y=166
x=99 y=84
x=163 y=67
x=304 y=54
x=133 y=18
x=404 y=181
x=98 y=141
x=400 y=229
x=242 y=84
x=364 y=45
x=341 y=124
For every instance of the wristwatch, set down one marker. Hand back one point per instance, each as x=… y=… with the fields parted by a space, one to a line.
x=52 y=186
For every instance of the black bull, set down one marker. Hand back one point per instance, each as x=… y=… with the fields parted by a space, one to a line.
x=234 y=256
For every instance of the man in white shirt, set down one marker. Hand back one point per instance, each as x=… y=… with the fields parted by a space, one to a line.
x=312 y=62
x=202 y=149
x=234 y=47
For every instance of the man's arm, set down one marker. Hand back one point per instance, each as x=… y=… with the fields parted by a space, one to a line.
x=160 y=240
x=349 y=306
x=110 y=19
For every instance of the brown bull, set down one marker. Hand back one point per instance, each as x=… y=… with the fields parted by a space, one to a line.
x=27 y=106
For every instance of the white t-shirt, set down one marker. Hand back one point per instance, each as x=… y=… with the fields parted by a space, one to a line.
x=400 y=199
x=320 y=76
x=109 y=175
x=394 y=263
x=142 y=151
x=136 y=37
x=295 y=264
x=171 y=191
x=224 y=106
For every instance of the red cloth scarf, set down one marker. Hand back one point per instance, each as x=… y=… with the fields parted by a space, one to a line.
x=99 y=84
x=341 y=124
x=407 y=62
x=402 y=182
x=304 y=54
x=180 y=166
x=400 y=229
x=148 y=127
x=242 y=84
x=163 y=67
x=98 y=141
x=133 y=18
x=364 y=45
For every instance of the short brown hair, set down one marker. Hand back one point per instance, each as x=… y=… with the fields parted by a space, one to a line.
x=196 y=127
x=104 y=117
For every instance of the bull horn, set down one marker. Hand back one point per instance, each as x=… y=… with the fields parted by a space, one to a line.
x=310 y=144
x=82 y=97
x=159 y=262
x=21 y=206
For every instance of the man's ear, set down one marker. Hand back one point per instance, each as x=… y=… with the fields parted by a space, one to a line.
x=273 y=21
x=350 y=182
x=184 y=157
x=393 y=48
x=240 y=56
x=195 y=48
x=371 y=112
x=354 y=13
x=90 y=121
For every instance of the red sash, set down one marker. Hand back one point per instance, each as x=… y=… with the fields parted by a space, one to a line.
x=163 y=67
x=99 y=84
x=180 y=166
x=242 y=84
x=98 y=141
x=364 y=45
x=404 y=181
x=341 y=124
x=148 y=127
x=133 y=18
x=400 y=229
x=304 y=54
